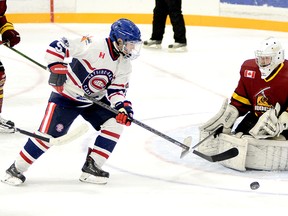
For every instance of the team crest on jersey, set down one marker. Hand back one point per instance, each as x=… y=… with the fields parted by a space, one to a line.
x=59 y=128
x=97 y=81
x=262 y=101
x=249 y=74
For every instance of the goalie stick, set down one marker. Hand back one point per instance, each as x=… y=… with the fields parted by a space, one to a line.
x=230 y=153
x=214 y=133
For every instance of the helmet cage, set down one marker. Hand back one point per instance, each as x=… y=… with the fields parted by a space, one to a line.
x=269 y=56
x=131 y=49
x=130 y=35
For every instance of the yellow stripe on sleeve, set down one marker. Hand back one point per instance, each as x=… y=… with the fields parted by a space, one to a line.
x=241 y=99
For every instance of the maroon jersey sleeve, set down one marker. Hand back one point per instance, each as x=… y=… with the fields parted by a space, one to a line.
x=241 y=98
x=3 y=7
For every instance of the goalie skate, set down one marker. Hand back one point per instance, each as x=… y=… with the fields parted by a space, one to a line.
x=13 y=176
x=92 y=173
x=6 y=126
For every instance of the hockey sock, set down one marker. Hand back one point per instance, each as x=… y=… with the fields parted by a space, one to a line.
x=2 y=82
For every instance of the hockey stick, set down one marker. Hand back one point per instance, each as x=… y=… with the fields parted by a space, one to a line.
x=75 y=133
x=22 y=54
x=230 y=153
x=25 y=56
x=214 y=133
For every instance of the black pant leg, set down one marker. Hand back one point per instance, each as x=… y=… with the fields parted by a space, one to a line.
x=177 y=20
x=160 y=14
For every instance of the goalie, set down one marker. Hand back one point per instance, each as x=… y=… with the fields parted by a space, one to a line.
x=261 y=100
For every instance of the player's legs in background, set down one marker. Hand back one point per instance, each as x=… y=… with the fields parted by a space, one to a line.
x=6 y=126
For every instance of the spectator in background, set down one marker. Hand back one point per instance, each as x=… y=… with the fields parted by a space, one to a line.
x=162 y=9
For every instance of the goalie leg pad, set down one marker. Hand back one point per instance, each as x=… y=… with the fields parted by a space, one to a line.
x=210 y=146
x=267 y=154
x=229 y=141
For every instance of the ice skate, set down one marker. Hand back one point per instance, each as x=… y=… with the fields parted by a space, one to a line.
x=156 y=44
x=6 y=126
x=177 y=47
x=92 y=173
x=13 y=176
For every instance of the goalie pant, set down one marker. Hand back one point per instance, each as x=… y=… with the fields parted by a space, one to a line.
x=56 y=122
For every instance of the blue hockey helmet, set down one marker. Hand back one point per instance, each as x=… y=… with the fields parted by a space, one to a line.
x=130 y=35
x=125 y=30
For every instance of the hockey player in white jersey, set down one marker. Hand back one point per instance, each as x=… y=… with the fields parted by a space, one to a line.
x=100 y=68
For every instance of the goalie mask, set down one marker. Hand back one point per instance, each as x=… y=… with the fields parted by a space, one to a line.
x=130 y=35
x=269 y=56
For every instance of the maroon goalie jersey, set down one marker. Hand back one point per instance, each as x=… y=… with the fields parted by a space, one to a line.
x=258 y=95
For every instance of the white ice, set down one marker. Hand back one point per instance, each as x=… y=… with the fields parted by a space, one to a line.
x=171 y=92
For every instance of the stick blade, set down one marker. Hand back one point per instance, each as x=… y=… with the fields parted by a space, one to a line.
x=228 y=154
x=70 y=136
x=188 y=142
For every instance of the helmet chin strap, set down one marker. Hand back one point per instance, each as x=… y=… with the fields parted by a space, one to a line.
x=115 y=48
x=122 y=51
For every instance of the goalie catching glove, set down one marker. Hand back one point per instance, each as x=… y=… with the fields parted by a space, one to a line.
x=125 y=115
x=57 y=77
x=225 y=117
x=269 y=125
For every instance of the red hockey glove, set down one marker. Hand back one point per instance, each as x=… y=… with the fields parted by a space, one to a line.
x=125 y=115
x=57 y=77
x=8 y=33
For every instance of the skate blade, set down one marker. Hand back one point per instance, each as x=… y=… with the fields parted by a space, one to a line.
x=6 y=130
x=179 y=49
x=155 y=46
x=86 y=177
x=11 y=180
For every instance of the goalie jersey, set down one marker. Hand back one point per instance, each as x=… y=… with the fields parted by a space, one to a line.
x=94 y=66
x=258 y=95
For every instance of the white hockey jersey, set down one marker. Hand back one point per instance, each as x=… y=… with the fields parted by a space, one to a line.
x=94 y=66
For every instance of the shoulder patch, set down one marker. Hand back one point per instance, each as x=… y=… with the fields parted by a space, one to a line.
x=249 y=74
x=65 y=41
x=86 y=39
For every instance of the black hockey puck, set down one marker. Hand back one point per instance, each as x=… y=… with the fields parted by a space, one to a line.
x=254 y=185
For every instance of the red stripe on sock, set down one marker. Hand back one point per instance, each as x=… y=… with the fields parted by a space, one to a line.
x=111 y=134
x=100 y=153
x=25 y=158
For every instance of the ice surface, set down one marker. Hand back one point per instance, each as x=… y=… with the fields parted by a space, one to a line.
x=171 y=92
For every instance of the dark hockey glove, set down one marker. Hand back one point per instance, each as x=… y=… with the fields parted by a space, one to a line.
x=125 y=115
x=57 y=77
x=8 y=33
